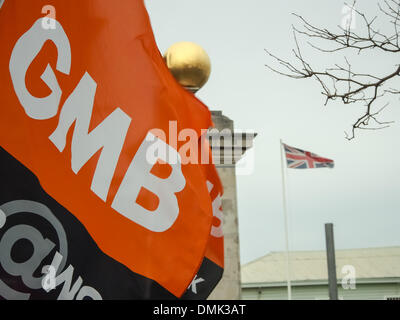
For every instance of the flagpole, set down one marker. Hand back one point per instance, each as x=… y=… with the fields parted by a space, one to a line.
x=289 y=287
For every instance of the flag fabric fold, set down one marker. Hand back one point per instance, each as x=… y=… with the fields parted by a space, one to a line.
x=212 y=267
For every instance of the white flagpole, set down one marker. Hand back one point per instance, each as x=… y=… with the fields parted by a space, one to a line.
x=283 y=163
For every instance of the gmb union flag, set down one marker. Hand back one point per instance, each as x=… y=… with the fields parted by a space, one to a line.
x=97 y=198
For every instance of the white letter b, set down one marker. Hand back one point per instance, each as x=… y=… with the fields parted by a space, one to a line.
x=139 y=175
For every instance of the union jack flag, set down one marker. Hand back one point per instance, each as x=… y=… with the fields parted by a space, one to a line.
x=301 y=159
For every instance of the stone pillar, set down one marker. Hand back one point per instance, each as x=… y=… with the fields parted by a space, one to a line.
x=226 y=152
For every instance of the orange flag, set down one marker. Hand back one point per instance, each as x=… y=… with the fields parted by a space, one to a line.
x=83 y=91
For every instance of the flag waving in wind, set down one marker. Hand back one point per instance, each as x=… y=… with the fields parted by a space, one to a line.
x=301 y=159
x=211 y=270
x=296 y=159
x=91 y=173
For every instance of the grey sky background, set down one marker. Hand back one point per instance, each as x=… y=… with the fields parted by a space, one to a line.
x=361 y=195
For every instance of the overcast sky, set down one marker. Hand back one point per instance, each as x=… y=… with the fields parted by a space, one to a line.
x=361 y=195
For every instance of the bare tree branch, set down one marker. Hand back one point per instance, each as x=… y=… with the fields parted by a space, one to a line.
x=341 y=82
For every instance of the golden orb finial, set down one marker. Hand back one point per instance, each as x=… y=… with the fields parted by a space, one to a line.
x=189 y=64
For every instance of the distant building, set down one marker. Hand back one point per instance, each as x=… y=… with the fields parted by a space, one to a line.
x=372 y=273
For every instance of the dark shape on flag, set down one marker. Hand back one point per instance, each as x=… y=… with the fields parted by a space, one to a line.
x=301 y=159
x=205 y=281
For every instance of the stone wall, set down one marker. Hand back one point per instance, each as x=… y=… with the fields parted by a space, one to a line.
x=229 y=286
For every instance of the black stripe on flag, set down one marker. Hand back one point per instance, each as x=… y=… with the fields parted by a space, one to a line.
x=205 y=281
x=35 y=228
